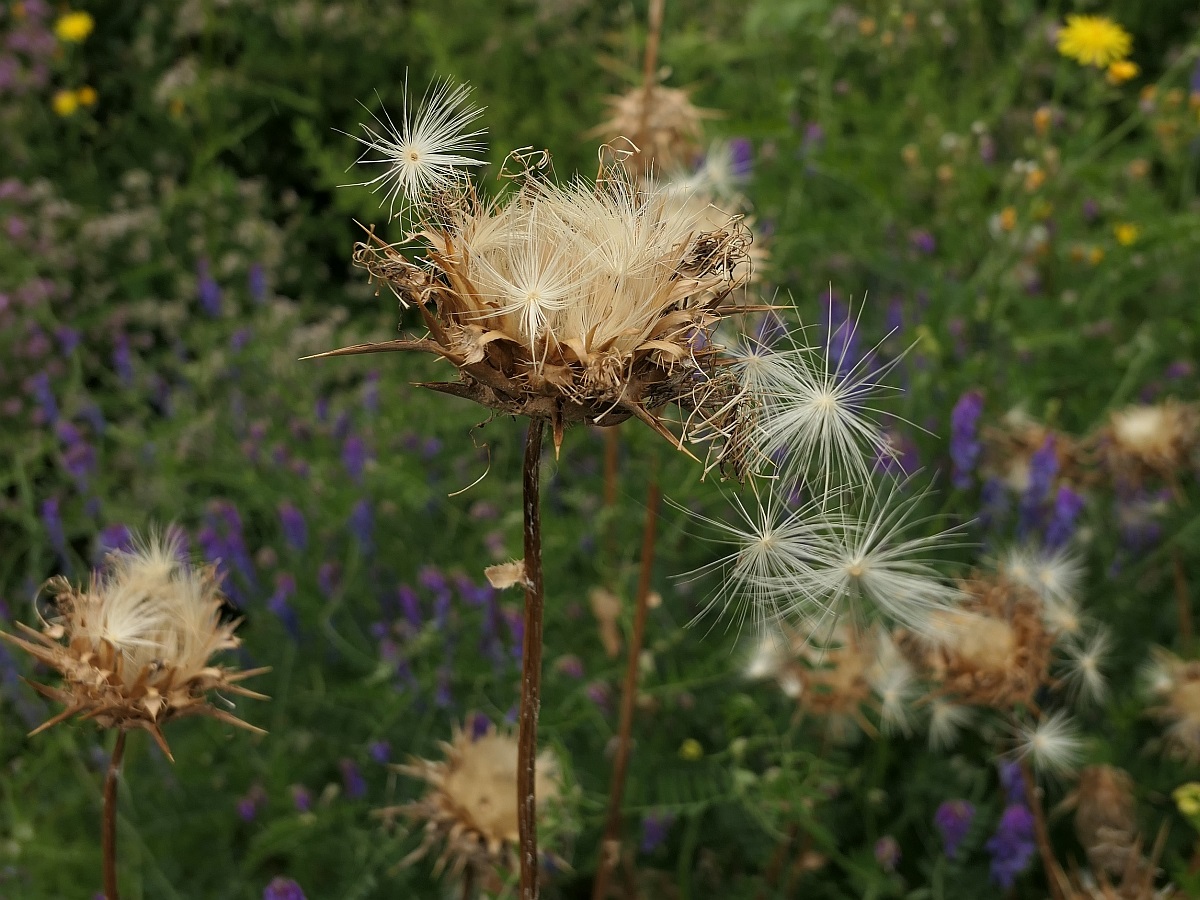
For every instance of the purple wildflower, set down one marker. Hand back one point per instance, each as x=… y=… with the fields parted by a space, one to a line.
x=656 y=828
x=410 y=605
x=295 y=530
x=113 y=537
x=1012 y=846
x=52 y=520
x=1012 y=780
x=1090 y=210
x=328 y=577
x=965 y=448
x=1067 y=507
x=370 y=393
x=207 y=290
x=68 y=339
x=741 y=156
x=352 y=780
x=443 y=697
x=478 y=725
x=361 y=525
x=354 y=457
x=256 y=279
x=301 y=798
x=887 y=853
x=122 y=359
x=953 y=819
x=1043 y=467
x=249 y=806
x=282 y=888
x=240 y=339
x=43 y=393
x=380 y=751
x=922 y=241
x=285 y=589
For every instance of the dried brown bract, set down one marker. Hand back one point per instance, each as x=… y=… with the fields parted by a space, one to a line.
x=992 y=651
x=1105 y=820
x=470 y=807
x=1135 y=881
x=135 y=646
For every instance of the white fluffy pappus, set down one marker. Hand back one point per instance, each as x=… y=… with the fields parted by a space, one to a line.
x=1083 y=663
x=1053 y=744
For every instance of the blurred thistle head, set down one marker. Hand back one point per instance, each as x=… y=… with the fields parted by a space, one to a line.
x=1174 y=688
x=1011 y=445
x=1105 y=817
x=662 y=122
x=470 y=804
x=1053 y=744
x=1151 y=441
x=135 y=646
x=994 y=650
x=592 y=301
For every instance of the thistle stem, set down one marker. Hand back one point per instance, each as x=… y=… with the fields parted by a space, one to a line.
x=531 y=664
x=610 y=846
x=108 y=831
x=1033 y=798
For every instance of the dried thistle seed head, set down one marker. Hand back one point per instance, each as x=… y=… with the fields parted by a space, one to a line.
x=661 y=122
x=1174 y=686
x=1010 y=446
x=470 y=804
x=139 y=641
x=1105 y=817
x=992 y=651
x=1159 y=440
x=834 y=674
x=589 y=302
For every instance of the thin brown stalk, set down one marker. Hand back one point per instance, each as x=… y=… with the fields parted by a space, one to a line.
x=611 y=845
x=1183 y=602
x=649 y=74
x=1033 y=798
x=108 y=830
x=531 y=664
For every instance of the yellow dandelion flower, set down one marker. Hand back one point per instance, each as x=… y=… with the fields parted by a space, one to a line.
x=1096 y=255
x=64 y=102
x=74 y=27
x=86 y=95
x=1126 y=233
x=1008 y=218
x=1121 y=71
x=691 y=750
x=1094 y=40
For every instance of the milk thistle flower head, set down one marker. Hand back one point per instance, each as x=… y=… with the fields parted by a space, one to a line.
x=1093 y=40
x=591 y=302
x=139 y=642
x=470 y=805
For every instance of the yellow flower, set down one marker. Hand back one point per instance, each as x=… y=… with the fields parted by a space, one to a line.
x=1093 y=40
x=86 y=95
x=1034 y=179
x=691 y=750
x=1095 y=255
x=1187 y=798
x=1126 y=233
x=866 y=26
x=65 y=102
x=1008 y=218
x=1042 y=119
x=1121 y=71
x=74 y=27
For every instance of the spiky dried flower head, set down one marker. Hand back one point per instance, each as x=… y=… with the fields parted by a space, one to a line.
x=834 y=671
x=469 y=808
x=1054 y=575
x=994 y=650
x=135 y=646
x=592 y=301
x=1150 y=441
x=1105 y=817
x=1052 y=743
x=1174 y=687
x=1010 y=446
x=662 y=122
x=1083 y=663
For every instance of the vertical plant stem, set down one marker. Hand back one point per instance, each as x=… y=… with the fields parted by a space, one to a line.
x=531 y=664
x=1183 y=602
x=649 y=81
x=1033 y=797
x=108 y=830
x=610 y=846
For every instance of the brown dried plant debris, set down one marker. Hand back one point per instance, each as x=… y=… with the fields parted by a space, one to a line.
x=135 y=646
x=470 y=806
x=1010 y=445
x=1150 y=442
x=1174 y=686
x=1135 y=881
x=994 y=650
x=1105 y=817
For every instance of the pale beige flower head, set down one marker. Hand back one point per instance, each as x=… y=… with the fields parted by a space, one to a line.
x=1157 y=440
x=469 y=809
x=1174 y=686
x=592 y=301
x=135 y=646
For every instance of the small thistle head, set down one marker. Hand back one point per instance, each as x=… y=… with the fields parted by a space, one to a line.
x=1158 y=440
x=1083 y=664
x=1174 y=685
x=662 y=122
x=470 y=804
x=1053 y=744
x=1105 y=818
x=426 y=153
x=139 y=641
x=1053 y=574
x=946 y=722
